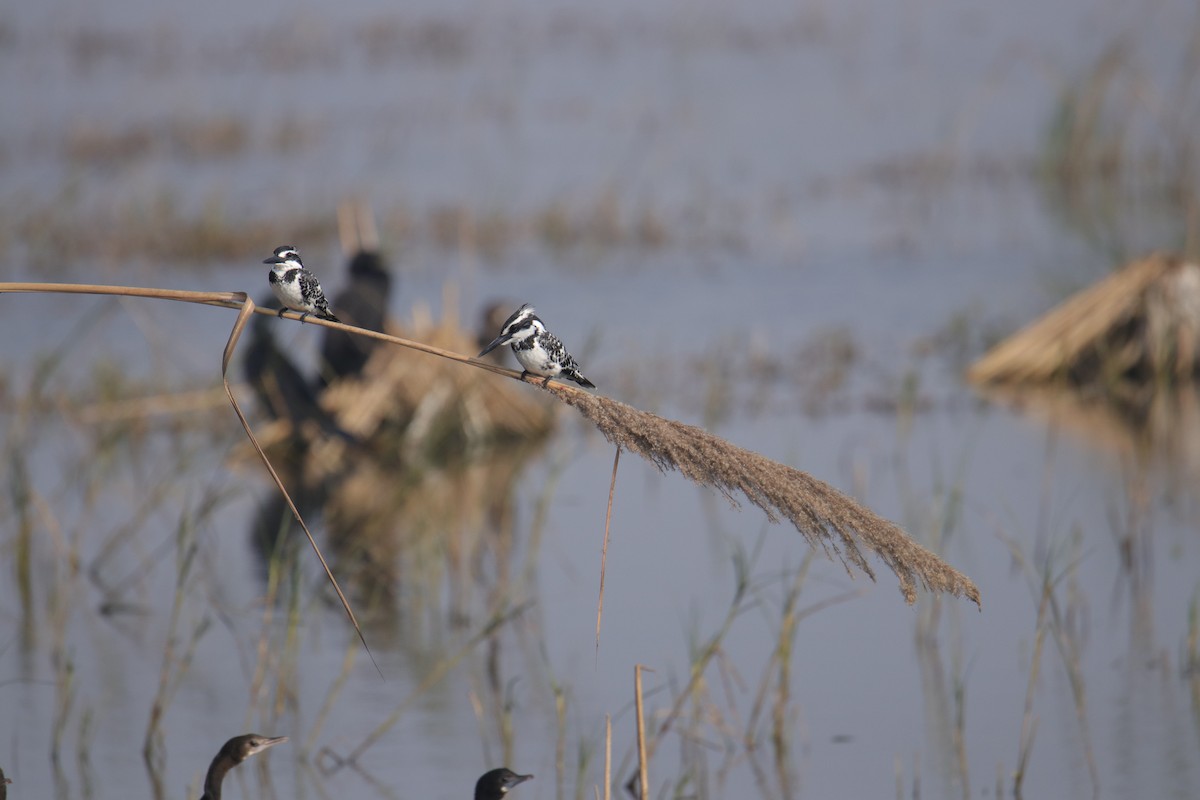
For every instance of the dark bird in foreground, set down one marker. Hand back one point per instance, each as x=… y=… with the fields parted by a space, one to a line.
x=4 y=782
x=296 y=287
x=235 y=751
x=362 y=302
x=495 y=784
x=539 y=351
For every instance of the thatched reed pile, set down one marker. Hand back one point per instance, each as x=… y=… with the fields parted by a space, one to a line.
x=826 y=517
x=407 y=402
x=1138 y=324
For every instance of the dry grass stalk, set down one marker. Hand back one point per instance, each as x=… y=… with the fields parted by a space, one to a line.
x=1146 y=315
x=608 y=757
x=826 y=517
x=612 y=487
x=643 y=765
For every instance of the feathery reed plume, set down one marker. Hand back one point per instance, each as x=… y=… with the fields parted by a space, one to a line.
x=825 y=516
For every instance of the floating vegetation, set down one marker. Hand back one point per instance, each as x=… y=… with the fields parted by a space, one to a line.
x=1137 y=326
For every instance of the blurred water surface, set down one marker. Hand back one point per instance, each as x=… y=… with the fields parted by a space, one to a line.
x=798 y=222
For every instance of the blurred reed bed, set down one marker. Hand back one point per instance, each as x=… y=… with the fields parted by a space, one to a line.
x=715 y=718
x=102 y=529
x=1120 y=141
x=161 y=226
x=1058 y=612
x=396 y=514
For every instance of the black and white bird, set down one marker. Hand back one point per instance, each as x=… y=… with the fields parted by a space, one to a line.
x=539 y=351
x=234 y=752
x=495 y=784
x=297 y=288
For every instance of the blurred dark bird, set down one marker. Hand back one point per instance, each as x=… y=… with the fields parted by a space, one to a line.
x=4 y=782
x=363 y=302
x=491 y=319
x=234 y=752
x=282 y=391
x=495 y=784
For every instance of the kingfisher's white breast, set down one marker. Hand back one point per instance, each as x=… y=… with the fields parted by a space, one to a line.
x=289 y=291
x=538 y=361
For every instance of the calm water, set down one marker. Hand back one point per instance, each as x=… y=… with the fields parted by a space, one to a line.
x=857 y=170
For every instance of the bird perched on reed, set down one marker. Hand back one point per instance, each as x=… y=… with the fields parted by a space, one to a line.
x=296 y=287
x=539 y=351
x=363 y=301
x=495 y=784
x=234 y=752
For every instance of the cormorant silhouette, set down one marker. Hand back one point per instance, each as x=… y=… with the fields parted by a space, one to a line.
x=234 y=752
x=495 y=784
x=363 y=302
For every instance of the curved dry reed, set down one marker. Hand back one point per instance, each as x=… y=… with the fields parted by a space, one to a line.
x=826 y=517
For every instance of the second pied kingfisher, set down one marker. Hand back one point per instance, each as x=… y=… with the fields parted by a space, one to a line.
x=297 y=288
x=539 y=351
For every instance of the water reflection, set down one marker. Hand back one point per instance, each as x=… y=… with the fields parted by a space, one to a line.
x=1157 y=427
x=410 y=462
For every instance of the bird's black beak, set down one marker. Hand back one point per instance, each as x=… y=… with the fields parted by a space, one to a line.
x=274 y=260
x=499 y=340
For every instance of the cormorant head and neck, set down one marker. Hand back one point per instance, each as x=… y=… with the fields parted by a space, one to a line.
x=235 y=751
x=495 y=784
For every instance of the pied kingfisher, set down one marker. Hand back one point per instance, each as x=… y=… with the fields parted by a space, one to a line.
x=297 y=288
x=539 y=351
